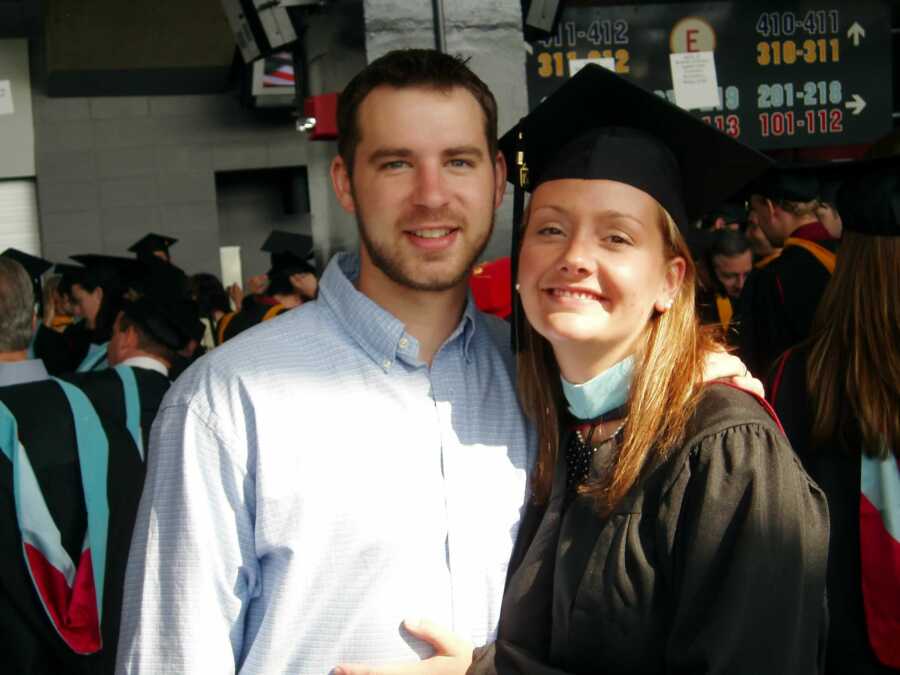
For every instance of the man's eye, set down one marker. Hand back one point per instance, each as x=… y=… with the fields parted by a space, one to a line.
x=460 y=163
x=395 y=164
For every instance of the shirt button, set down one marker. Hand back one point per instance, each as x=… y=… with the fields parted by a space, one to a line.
x=386 y=363
x=404 y=343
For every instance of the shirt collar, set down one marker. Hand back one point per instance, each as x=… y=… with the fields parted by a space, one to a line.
x=21 y=372
x=147 y=363
x=380 y=334
x=812 y=232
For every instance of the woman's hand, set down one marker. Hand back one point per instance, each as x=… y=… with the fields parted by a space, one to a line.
x=725 y=366
x=453 y=655
x=236 y=293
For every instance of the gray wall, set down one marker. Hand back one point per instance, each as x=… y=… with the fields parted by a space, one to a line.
x=16 y=130
x=111 y=169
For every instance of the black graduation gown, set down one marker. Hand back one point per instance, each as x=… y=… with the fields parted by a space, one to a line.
x=779 y=304
x=62 y=352
x=837 y=471
x=255 y=309
x=713 y=563
x=28 y=641
x=708 y=311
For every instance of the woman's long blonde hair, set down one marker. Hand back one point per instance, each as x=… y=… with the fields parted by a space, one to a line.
x=668 y=377
x=853 y=368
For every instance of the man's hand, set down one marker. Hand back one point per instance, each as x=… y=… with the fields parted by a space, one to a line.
x=453 y=655
x=725 y=366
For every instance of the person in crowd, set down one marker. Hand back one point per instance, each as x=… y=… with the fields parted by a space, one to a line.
x=290 y=281
x=69 y=491
x=62 y=344
x=97 y=296
x=730 y=215
x=838 y=395
x=152 y=247
x=782 y=296
x=671 y=528
x=17 y=325
x=763 y=251
x=58 y=312
x=728 y=262
x=311 y=544
x=212 y=303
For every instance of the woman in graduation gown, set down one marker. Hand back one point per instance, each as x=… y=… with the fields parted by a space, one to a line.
x=839 y=397
x=672 y=529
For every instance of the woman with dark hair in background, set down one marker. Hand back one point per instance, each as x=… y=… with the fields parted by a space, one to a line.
x=97 y=299
x=838 y=395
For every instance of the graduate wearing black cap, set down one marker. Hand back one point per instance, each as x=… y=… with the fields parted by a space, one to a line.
x=838 y=397
x=674 y=510
x=89 y=468
x=782 y=296
x=153 y=246
x=290 y=281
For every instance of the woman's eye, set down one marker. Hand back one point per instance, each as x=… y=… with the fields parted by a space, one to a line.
x=617 y=239
x=549 y=230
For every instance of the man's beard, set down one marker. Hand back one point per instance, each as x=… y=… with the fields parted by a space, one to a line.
x=391 y=265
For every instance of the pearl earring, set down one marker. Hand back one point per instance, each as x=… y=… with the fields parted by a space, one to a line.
x=518 y=286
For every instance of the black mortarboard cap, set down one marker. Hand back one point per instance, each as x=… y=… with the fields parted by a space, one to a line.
x=869 y=196
x=66 y=270
x=172 y=322
x=152 y=242
x=123 y=272
x=289 y=250
x=599 y=125
x=790 y=183
x=731 y=211
x=33 y=265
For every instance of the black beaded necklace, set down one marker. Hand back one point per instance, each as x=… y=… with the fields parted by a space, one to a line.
x=580 y=449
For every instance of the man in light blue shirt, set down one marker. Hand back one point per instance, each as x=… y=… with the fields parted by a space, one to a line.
x=362 y=458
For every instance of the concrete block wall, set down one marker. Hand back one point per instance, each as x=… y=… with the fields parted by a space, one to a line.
x=111 y=169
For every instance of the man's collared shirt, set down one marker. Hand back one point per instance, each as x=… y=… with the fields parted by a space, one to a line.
x=21 y=372
x=312 y=483
x=147 y=363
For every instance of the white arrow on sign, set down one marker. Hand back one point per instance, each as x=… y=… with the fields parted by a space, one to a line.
x=856 y=33
x=857 y=104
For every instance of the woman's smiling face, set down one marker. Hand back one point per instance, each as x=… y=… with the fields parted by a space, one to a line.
x=592 y=268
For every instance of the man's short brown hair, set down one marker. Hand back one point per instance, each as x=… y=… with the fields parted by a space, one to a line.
x=410 y=68
x=146 y=342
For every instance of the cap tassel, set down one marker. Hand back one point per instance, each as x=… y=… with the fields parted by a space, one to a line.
x=518 y=212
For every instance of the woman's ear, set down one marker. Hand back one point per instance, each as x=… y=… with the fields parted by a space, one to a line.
x=672 y=280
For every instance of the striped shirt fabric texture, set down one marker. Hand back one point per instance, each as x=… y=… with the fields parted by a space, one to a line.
x=312 y=483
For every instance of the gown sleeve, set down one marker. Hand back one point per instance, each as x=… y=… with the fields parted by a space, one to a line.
x=747 y=532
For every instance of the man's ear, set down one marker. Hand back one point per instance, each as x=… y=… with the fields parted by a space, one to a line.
x=342 y=184
x=500 y=174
